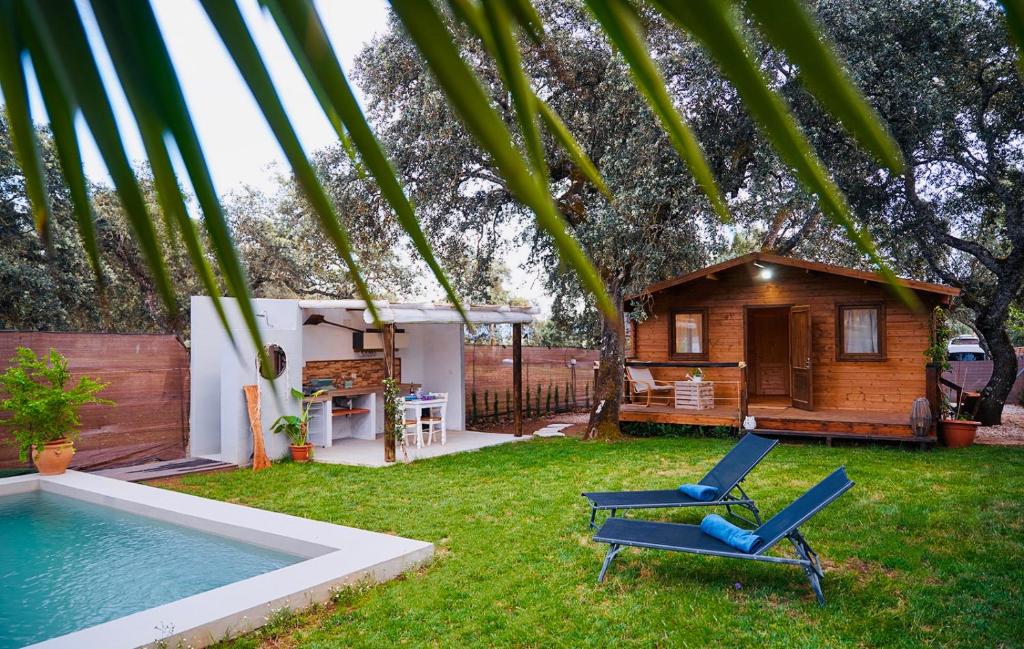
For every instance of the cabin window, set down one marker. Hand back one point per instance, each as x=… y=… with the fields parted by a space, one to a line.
x=860 y=332
x=688 y=334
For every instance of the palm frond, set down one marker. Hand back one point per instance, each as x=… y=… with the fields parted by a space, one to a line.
x=713 y=24
x=463 y=90
x=622 y=26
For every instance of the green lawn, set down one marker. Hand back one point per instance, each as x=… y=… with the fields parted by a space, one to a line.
x=926 y=549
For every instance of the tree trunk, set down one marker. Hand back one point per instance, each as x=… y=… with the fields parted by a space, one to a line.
x=1004 y=371
x=604 y=416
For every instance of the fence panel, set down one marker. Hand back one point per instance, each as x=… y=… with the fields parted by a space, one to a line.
x=974 y=375
x=551 y=382
x=148 y=377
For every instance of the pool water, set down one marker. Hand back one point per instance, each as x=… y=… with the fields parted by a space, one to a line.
x=66 y=564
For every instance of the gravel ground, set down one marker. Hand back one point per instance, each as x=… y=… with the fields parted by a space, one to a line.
x=1009 y=433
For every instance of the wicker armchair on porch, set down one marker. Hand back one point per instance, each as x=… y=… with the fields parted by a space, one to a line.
x=640 y=384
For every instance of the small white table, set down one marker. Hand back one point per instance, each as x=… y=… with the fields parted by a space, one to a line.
x=416 y=405
x=695 y=395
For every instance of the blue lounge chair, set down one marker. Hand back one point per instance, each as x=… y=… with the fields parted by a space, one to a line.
x=726 y=476
x=621 y=532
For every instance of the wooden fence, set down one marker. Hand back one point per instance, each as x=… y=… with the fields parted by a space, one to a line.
x=148 y=377
x=551 y=382
x=974 y=375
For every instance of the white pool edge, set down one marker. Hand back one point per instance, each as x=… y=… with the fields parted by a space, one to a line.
x=335 y=556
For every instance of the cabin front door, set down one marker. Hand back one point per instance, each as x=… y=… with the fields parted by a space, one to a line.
x=800 y=371
x=768 y=354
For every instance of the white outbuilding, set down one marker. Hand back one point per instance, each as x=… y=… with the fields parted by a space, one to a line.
x=323 y=342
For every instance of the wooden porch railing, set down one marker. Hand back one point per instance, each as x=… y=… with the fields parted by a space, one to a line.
x=740 y=365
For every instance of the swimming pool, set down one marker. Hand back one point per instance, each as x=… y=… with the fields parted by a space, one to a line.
x=87 y=561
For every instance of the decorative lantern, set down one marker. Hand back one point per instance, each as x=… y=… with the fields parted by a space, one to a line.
x=921 y=417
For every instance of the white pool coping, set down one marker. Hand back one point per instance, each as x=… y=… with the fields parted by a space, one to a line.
x=334 y=556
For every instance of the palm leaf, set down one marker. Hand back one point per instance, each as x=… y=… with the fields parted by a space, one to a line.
x=230 y=26
x=59 y=30
x=791 y=29
x=579 y=158
x=19 y=117
x=527 y=18
x=466 y=95
x=1014 y=17
x=510 y=64
x=472 y=15
x=622 y=27
x=66 y=141
x=139 y=54
x=307 y=38
x=713 y=24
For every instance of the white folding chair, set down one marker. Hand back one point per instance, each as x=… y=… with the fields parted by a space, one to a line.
x=437 y=419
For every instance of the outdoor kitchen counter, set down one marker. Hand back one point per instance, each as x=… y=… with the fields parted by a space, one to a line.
x=355 y=392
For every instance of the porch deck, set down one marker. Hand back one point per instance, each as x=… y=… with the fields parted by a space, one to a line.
x=782 y=419
x=370 y=452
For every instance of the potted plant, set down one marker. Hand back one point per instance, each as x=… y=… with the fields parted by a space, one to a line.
x=956 y=429
x=296 y=427
x=697 y=376
x=43 y=407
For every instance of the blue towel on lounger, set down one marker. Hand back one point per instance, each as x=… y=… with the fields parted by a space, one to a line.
x=699 y=492
x=739 y=538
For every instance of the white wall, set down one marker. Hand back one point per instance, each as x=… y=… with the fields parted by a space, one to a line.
x=219 y=423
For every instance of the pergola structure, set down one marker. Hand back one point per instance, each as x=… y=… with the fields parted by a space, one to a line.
x=393 y=315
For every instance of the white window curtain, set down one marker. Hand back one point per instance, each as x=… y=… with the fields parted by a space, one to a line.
x=860 y=331
x=689 y=333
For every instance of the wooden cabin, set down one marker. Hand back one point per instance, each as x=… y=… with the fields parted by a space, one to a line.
x=807 y=349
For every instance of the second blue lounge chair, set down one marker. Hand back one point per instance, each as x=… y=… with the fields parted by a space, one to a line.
x=726 y=476
x=619 y=533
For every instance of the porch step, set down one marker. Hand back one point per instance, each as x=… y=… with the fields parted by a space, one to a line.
x=922 y=442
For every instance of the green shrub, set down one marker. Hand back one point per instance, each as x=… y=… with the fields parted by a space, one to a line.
x=651 y=429
x=42 y=407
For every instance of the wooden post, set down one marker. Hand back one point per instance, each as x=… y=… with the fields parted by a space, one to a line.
x=743 y=393
x=388 y=338
x=517 y=379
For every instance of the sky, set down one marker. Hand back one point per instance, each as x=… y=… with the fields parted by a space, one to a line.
x=240 y=148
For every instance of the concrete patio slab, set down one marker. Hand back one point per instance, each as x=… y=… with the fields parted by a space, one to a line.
x=370 y=452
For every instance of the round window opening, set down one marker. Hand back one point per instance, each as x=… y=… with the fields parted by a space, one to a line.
x=275 y=364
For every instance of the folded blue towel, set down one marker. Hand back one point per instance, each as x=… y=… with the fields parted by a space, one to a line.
x=739 y=538
x=699 y=492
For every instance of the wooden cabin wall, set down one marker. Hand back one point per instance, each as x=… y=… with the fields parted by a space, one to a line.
x=890 y=385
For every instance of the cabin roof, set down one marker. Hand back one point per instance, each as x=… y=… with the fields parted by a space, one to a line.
x=819 y=267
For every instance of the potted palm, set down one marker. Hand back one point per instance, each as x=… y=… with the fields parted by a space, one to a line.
x=43 y=408
x=296 y=427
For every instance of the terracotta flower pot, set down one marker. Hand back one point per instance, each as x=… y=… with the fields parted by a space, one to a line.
x=301 y=453
x=55 y=457
x=956 y=433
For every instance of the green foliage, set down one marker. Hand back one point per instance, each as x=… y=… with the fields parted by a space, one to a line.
x=556 y=399
x=393 y=410
x=911 y=561
x=473 y=415
x=652 y=429
x=547 y=401
x=42 y=405
x=937 y=352
x=296 y=427
x=496 y=415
